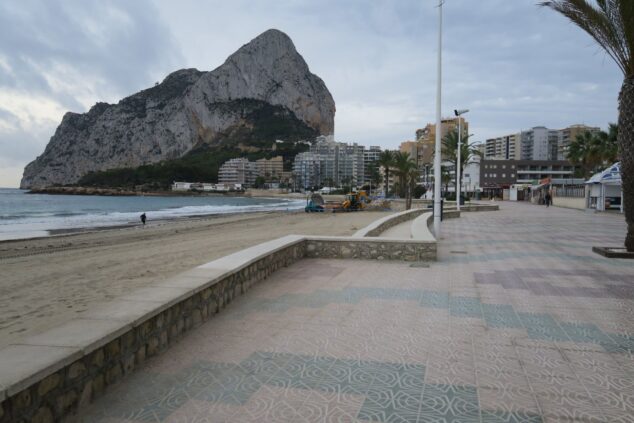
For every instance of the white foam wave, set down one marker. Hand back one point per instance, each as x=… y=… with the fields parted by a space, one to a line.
x=12 y=228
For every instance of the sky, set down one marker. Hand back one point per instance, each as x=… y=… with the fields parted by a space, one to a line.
x=513 y=64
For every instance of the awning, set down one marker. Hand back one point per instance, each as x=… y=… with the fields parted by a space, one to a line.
x=610 y=176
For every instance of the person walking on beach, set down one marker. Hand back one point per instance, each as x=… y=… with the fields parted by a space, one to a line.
x=143 y=218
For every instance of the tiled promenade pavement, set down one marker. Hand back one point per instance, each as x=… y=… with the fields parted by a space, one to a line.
x=518 y=322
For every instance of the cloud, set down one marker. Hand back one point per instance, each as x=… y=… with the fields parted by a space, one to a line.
x=67 y=55
x=515 y=65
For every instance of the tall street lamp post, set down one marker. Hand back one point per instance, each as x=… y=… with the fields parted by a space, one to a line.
x=458 y=162
x=438 y=152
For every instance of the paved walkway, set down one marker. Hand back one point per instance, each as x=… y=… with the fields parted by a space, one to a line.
x=518 y=322
x=400 y=231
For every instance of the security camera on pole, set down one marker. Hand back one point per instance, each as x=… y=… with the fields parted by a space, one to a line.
x=458 y=114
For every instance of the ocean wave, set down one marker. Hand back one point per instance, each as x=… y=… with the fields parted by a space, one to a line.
x=43 y=220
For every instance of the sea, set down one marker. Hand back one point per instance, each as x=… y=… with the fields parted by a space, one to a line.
x=24 y=215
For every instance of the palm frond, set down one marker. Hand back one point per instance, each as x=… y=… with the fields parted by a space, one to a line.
x=609 y=22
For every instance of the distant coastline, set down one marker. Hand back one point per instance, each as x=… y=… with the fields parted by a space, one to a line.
x=120 y=192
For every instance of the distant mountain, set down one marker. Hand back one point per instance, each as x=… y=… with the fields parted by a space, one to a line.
x=264 y=91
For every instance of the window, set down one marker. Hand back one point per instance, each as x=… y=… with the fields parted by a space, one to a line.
x=503 y=166
x=504 y=175
x=512 y=166
x=512 y=175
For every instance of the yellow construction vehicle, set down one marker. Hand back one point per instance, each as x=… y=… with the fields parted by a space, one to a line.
x=355 y=201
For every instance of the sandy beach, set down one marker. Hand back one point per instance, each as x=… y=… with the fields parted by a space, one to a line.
x=46 y=281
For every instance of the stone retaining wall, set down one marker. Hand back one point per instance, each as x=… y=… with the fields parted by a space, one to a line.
x=370 y=249
x=377 y=228
x=45 y=386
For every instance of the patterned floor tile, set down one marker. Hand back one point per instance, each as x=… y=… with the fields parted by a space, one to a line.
x=528 y=326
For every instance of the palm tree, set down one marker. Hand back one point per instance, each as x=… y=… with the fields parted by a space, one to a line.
x=386 y=160
x=375 y=175
x=412 y=180
x=611 y=24
x=608 y=145
x=405 y=166
x=594 y=151
x=450 y=150
x=584 y=152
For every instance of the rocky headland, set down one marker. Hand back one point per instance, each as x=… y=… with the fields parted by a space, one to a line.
x=263 y=92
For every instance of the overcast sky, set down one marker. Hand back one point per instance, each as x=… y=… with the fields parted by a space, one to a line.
x=513 y=64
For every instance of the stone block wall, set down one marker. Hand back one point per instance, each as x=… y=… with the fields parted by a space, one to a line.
x=59 y=394
x=396 y=220
x=370 y=249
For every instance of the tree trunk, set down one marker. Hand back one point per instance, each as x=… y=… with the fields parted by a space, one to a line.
x=626 y=149
x=408 y=197
x=387 y=179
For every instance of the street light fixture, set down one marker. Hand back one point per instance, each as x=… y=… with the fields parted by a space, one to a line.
x=458 y=114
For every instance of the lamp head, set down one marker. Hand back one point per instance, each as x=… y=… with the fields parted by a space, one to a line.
x=461 y=112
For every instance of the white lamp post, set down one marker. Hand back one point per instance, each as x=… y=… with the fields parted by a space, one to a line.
x=458 y=114
x=438 y=152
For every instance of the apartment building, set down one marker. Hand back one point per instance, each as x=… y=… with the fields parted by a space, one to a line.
x=426 y=137
x=333 y=163
x=507 y=147
x=307 y=170
x=238 y=171
x=370 y=156
x=270 y=169
x=538 y=143
x=567 y=135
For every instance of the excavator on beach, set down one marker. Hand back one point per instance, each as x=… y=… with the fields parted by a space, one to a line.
x=353 y=201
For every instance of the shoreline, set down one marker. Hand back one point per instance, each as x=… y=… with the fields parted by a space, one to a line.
x=61 y=232
x=120 y=192
x=174 y=207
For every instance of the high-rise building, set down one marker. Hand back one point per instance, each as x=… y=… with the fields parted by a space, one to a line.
x=536 y=143
x=307 y=170
x=409 y=147
x=567 y=135
x=507 y=147
x=370 y=156
x=338 y=164
x=541 y=143
x=426 y=137
x=238 y=171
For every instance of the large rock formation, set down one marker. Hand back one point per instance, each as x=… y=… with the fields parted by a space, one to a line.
x=188 y=109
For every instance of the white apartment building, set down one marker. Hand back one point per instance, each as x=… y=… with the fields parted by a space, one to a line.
x=340 y=163
x=537 y=143
x=370 y=155
x=541 y=143
x=307 y=170
x=332 y=163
